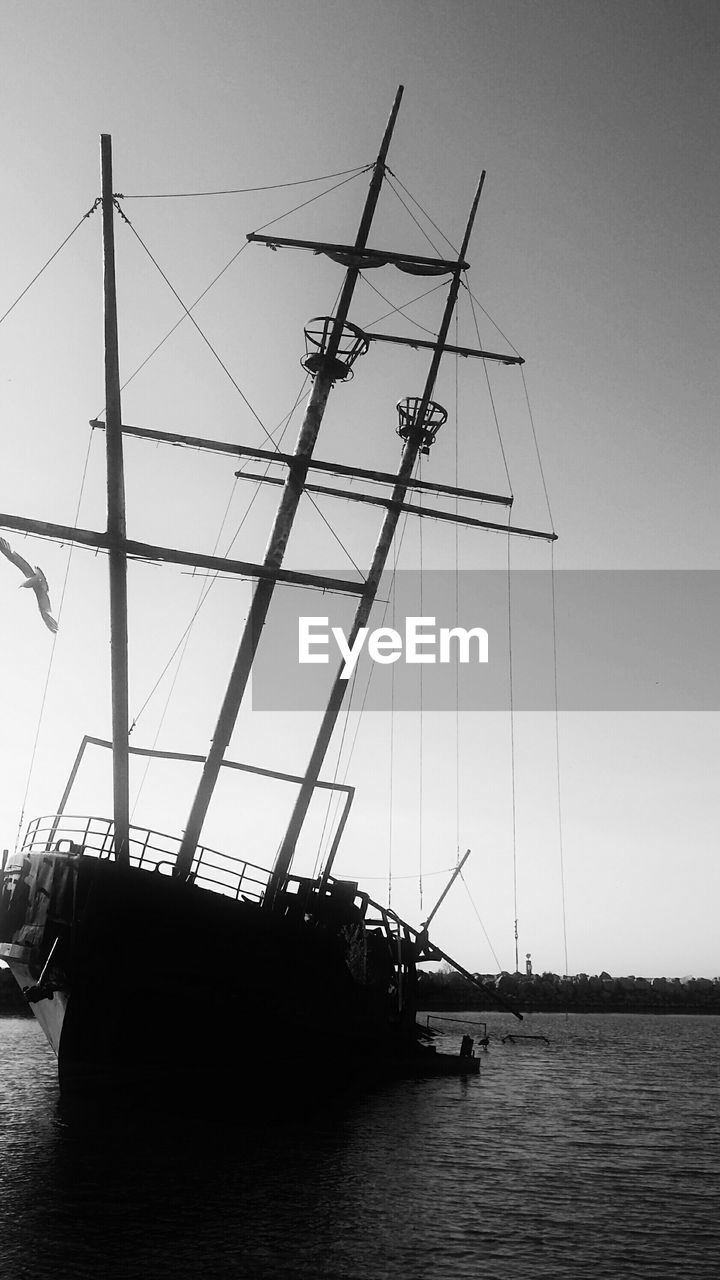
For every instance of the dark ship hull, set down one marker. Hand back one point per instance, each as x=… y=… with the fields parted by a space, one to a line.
x=150 y=986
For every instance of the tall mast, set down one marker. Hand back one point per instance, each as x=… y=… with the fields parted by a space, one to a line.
x=275 y=550
x=115 y=521
x=382 y=548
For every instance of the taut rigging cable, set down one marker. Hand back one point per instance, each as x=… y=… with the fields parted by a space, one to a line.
x=400 y=309
x=50 y=259
x=51 y=659
x=335 y=800
x=236 y=385
x=242 y=191
x=235 y=256
x=207 y=587
x=423 y=211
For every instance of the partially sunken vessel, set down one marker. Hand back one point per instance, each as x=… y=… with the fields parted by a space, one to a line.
x=154 y=963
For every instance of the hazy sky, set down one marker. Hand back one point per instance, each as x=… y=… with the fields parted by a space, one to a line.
x=596 y=252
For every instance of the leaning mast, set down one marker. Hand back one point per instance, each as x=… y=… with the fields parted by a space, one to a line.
x=327 y=370
x=423 y=417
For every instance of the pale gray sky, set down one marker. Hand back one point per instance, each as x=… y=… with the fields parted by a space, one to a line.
x=596 y=252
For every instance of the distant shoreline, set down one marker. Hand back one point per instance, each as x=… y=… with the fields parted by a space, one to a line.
x=551 y=993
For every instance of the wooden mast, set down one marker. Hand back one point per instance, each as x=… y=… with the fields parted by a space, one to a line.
x=384 y=542
x=280 y=533
x=115 y=521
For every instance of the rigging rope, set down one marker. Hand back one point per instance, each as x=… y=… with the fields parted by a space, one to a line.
x=52 y=650
x=557 y=758
x=337 y=799
x=492 y=398
x=320 y=855
x=422 y=716
x=208 y=586
x=487 y=315
x=442 y=871
x=555 y=671
x=50 y=259
x=242 y=191
x=482 y=926
x=457 y=590
x=183 y=317
x=399 y=309
x=188 y=310
x=205 y=590
x=512 y=750
x=334 y=532
x=537 y=449
x=241 y=393
x=409 y=211
x=192 y=319
x=184 y=642
x=319 y=196
x=423 y=211
x=391 y=780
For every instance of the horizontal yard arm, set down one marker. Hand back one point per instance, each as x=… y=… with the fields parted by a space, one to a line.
x=286 y=459
x=447 y=349
x=370 y=257
x=195 y=559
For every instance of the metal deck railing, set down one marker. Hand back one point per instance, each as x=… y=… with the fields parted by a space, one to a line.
x=149 y=850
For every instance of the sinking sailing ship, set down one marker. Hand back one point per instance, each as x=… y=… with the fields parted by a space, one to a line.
x=153 y=962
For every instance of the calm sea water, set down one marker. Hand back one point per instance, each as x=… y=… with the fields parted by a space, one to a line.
x=596 y=1155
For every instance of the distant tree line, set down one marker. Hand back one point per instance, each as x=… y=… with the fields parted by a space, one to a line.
x=580 y=993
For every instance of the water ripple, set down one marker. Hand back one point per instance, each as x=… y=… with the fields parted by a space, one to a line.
x=598 y=1152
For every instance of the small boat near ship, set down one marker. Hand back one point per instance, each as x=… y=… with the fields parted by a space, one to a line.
x=152 y=962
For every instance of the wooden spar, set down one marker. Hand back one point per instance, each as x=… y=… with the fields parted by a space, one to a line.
x=115 y=523
x=171 y=555
x=427 y=512
x=428 y=951
x=445 y=891
x=275 y=550
x=382 y=549
x=450 y=350
x=481 y=986
x=334 y=468
x=371 y=256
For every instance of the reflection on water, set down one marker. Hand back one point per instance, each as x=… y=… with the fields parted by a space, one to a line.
x=599 y=1150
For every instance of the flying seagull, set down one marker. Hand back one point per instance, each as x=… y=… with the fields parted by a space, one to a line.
x=34 y=578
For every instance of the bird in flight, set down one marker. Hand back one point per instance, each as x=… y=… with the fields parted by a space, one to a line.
x=34 y=578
